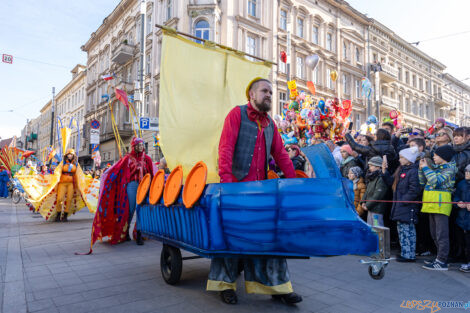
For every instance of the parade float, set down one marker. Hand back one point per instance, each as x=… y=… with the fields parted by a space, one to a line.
x=191 y=210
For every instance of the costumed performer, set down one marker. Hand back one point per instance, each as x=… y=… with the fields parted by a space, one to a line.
x=118 y=192
x=248 y=137
x=46 y=192
x=4 y=179
x=65 y=187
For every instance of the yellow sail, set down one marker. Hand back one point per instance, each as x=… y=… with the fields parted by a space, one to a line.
x=199 y=85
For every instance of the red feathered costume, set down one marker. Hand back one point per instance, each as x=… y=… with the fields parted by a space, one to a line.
x=111 y=218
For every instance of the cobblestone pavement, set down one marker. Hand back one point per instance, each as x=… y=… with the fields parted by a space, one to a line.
x=40 y=273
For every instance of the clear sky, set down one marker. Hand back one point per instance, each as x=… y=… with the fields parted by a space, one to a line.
x=52 y=32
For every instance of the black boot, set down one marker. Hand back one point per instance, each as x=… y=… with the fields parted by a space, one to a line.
x=57 y=217
x=229 y=296
x=289 y=298
x=64 y=218
x=138 y=240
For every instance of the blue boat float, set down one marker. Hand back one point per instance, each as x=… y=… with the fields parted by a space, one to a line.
x=290 y=218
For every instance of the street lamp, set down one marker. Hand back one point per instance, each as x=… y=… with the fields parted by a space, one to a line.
x=376 y=68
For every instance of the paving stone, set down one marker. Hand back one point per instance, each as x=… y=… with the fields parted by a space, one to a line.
x=39 y=305
x=127 y=278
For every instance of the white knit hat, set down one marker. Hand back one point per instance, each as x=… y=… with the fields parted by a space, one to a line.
x=411 y=154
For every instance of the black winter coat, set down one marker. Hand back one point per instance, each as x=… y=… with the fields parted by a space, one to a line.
x=462 y=159
x=377 y=147
x=376 y=189
x=407 y=189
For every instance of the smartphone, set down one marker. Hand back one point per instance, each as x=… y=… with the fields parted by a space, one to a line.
x=350 y=126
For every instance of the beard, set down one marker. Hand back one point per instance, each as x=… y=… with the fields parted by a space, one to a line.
x=264 y=106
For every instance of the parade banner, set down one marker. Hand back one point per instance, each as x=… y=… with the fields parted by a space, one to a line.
x=199 y=85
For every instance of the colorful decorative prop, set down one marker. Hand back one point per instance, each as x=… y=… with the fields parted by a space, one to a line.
x=156 y=140
x=305 y=119
x=121 y=95
x=334 y=75
x=395 y=117
x=311 y=87
x=283 y=57
x=292 y=85
x=312 y=61
x=366 y=87
x=370 y=126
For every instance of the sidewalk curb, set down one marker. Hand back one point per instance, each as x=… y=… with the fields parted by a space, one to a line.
x=14 y=297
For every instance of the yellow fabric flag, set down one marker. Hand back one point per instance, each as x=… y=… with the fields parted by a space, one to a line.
x=65 y=134
x=198 y=87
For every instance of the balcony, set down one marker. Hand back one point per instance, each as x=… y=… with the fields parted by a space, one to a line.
x=125 y=85
x=443 y=99
x=387 y=72
x=390 y=103
x=122 y=53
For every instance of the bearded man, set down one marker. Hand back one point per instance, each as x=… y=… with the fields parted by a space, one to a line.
x=248 y=138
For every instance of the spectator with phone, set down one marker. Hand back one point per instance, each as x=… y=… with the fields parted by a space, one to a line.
x=379 y=147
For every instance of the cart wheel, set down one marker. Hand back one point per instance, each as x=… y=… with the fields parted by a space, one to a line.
x=171 y=264
x=377 y=276
x=16 y=196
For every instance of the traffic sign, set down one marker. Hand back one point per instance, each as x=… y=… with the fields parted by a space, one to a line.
x=95 y=124
x=147 y=123
x=6 y=58
x=94 y=136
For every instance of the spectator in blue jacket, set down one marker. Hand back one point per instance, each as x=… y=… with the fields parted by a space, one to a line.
x=406 y=187
x=462 y=195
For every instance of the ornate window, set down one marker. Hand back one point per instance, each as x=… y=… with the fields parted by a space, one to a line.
x=300 y=67
x=300 y=27
x=202 y=30
x=283 y=19
x=329 y=41
x=168 y=9
x=252 y=7
x=251 y=45
x=315 y=34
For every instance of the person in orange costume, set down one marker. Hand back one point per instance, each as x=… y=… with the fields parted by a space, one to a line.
x=66 y=185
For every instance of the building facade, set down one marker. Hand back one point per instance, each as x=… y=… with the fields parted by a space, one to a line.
x=347 y=41
x=457 y=95
x=70 y=104
x=114 y=50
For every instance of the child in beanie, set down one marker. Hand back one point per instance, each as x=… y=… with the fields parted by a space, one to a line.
x=406 y=188
x=355 y=175
x=438 y=185
x=376 y=190
x=462 y=195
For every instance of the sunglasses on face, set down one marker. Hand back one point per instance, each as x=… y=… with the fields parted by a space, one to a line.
x=414 y=133
x=440 y=134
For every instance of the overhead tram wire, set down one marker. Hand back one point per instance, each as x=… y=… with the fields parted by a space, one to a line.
x=39 y=62
x=440 y=37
